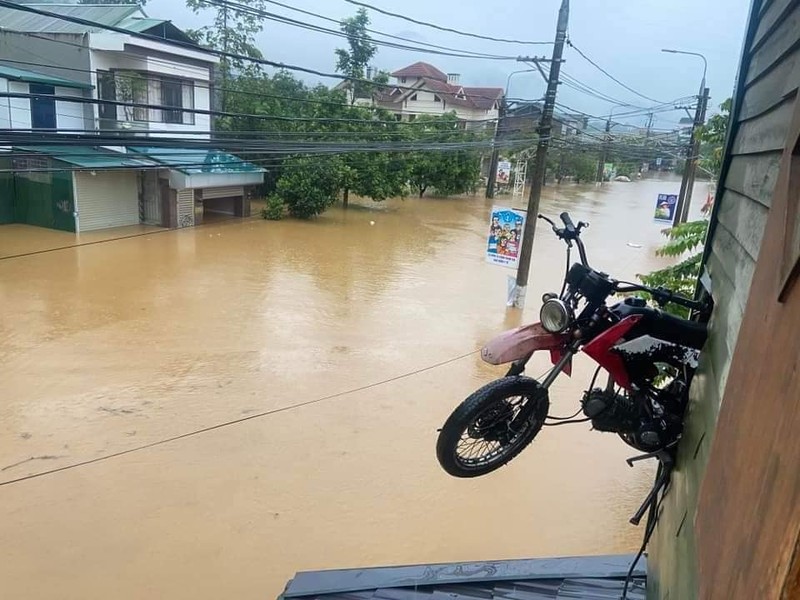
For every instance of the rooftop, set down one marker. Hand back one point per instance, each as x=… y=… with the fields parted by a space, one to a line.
x=585 y=578
x=14 y=74
x=421 y=69
x=104 y=14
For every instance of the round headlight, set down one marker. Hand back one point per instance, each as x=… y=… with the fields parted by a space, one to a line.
x=554 y=316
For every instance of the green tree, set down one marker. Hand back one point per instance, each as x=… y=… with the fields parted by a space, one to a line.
x=309 y=186
x=352 y=62
x=681 y=277
x=233 y=31
x=689 y=238
x=712 y=138
x=448 y=171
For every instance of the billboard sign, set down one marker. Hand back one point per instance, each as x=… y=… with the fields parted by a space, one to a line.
x=505 y=236
x=665 y=207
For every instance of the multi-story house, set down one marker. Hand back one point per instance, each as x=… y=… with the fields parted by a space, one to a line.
x=422 y=89
x=156 y=84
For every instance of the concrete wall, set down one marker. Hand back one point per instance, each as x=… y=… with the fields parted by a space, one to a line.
x=61 y=55
x=763 y=108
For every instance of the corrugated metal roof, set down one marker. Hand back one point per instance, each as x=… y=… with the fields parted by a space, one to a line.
x=17 y=20
x=140 y=25
x=586 y=578
x=15 y=74
x=201 y=161
x=89 y=157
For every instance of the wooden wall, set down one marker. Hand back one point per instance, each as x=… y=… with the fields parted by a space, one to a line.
x=769 y=78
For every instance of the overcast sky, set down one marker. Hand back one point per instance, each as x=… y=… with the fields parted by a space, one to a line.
x=623 y=36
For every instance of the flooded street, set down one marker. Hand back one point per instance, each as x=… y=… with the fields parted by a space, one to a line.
x=118 y=344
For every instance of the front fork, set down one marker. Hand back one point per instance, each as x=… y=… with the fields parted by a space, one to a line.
x=518 y=367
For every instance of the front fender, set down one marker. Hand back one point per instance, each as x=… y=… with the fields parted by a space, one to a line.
x=519 y=343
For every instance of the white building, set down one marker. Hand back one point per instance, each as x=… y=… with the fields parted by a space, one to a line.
x=422 y=89
x=155 y=88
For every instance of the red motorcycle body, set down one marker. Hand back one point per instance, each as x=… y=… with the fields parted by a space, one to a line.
x=520 y=343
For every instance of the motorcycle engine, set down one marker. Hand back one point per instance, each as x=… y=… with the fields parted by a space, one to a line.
x=611 y=412
x=620 y=414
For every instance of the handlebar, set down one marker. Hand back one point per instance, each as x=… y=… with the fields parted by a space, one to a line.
x=570 y=233
x=662 y=296
x=568 y=224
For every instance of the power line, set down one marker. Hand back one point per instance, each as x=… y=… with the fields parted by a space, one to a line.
x=447 y=29
x=373 y=31
x=233 y=422
x=238 y=7
x=195 y=48
x=199 y=85
x=609 y=75
x=215 y=113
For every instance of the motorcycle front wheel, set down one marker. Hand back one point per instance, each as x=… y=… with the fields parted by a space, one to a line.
x=486 y=430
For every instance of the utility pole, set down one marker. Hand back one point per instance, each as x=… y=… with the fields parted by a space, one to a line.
x=692 y=154
x=540 y=164
x=604 y=156
x=491 y=182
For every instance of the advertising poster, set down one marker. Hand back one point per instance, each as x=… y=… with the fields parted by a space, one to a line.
x=665 y=207
x=503 y=172
x=505 y=236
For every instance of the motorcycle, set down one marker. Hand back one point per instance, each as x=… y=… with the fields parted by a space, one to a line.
x=650 y=357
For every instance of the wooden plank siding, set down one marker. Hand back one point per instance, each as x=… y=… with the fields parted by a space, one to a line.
x=765 y=104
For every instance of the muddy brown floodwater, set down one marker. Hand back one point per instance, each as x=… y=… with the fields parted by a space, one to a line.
x=118 y=344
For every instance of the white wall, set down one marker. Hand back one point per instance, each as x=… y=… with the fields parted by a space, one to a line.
x=20 y=107
x=200 y=76
x=5 y=106
x=69 y=115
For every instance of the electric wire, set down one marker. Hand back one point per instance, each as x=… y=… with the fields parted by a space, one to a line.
x=243 y=8
x=203 y=50
x=607 y=74
x=234 y=422
x=447 y=29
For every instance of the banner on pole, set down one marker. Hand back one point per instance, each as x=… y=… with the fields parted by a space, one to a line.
x=505 y=236
x=665 y=207
x=503 y=172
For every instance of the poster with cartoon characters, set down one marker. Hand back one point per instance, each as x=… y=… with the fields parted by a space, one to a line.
x=505 y=236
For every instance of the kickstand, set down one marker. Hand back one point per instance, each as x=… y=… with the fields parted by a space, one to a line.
x=662 y=480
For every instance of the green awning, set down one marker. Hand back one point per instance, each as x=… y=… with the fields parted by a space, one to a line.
x=197 y=161
x=88 y=157
x=15 y=74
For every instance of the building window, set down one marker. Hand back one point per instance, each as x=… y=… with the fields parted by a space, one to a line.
x=436 y=98
x=398 y=117
x=132 y=87
x=106 y=90
x=138 y=88
x=412 y=117
x=43 y=106
x=172 y=96
x=413 y=98
x=402 y=80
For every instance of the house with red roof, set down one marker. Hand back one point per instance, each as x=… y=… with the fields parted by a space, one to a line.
x=422 y=89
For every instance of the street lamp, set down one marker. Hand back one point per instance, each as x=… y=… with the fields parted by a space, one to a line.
x=687 y=183
x=705 y=62
x=492 y=179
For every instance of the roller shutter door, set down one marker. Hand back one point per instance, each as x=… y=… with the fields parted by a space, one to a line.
x=222 y=192
x=107 y=199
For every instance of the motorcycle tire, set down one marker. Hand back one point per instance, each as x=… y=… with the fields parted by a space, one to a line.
x=492 y=397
